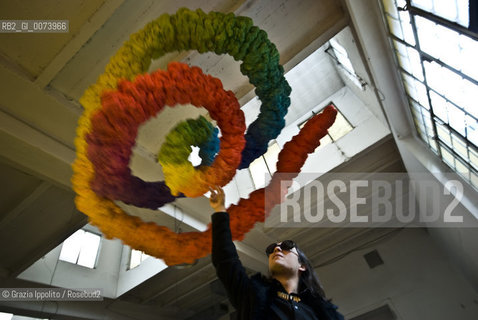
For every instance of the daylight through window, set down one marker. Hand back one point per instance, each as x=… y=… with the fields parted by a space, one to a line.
x=436 y=54
x=81 y=248
x=136 y=258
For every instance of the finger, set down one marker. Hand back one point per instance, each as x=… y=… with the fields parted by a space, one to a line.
x=212 y=191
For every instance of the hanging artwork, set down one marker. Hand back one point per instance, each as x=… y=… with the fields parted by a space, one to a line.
x=124 y=97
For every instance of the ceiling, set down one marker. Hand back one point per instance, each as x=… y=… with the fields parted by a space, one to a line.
x=42 y=77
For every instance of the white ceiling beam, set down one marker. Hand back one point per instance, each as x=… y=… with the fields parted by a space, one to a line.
x=22 y=99
x=92 y=25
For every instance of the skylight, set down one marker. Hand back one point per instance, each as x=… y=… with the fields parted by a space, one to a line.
x=81 y=248
x=436 y=55
x=339 y=129
x=136 y=258
x=340 y=55
x=264 y=167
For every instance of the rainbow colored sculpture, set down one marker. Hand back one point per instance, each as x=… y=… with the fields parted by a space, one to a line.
x=123 y=98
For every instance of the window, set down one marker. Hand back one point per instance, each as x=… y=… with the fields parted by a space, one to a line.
x=136 y=258
x=339 y=54
x=441 y=81
x=264 y=166
x=339 y=129
x=81 y=248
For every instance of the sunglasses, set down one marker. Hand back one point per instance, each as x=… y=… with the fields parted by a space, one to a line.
x=285 y=245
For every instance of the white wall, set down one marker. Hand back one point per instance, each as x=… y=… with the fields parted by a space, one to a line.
x=416 y=280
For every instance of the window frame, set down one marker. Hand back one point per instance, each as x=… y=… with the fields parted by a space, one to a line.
x=431 y=136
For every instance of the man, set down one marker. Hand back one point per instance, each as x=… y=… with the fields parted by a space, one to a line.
x=292 y=292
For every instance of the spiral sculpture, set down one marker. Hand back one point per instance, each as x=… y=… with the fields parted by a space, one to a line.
x=124 y=97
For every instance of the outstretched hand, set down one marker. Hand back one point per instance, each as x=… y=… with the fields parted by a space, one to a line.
x=217 y=199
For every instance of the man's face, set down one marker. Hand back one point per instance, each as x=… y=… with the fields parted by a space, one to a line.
x=284 y=262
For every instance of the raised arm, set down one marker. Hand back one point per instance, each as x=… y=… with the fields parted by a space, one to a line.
x=225 y=259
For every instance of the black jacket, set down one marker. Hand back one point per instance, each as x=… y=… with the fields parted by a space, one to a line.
x=256 y=297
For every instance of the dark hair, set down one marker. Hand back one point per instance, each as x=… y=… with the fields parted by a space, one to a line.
x=308 y=278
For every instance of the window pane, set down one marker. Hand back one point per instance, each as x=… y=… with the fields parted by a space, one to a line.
x=439 y=106
x=89 y=250
x=457 y=119
x=473 y=158
x=474 y=179
x=395 y=28
x=452 y=10
x=390 y=8
x=401 y=3
x=407 y=27
x=421 y=132
x=463 y=13
x=259 y=172
x=135 y=258
x=401 y=48
x=450 y=52
x=416 y=90
x=472 y=130
x=271 y=157
x=462 y=170
x=449 y=84
x=459 y=52
x=446 y=9
x=469 y=52
x=428 y=122
x=416 y=63
x=469 y=97
x=427 y=35
x=448 y=157
x=426 y=5
x=404 y=62
x=459 y=146
x=433 y=145
x=409 y=59
x=71 y=247
x=444 y=134
x=340 y=127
